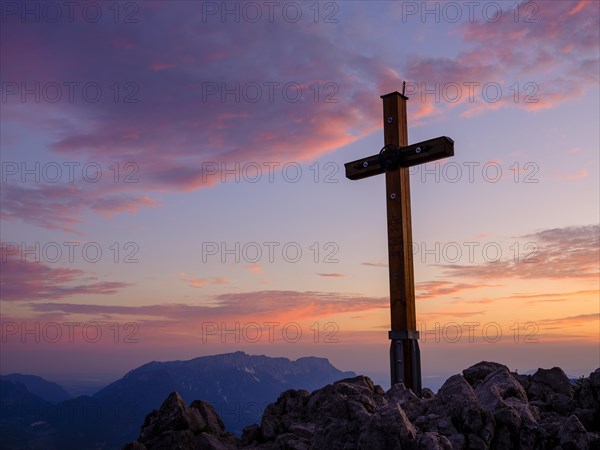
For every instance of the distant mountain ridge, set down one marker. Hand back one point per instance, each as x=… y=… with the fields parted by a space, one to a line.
x=239 y=386
x=46 y=390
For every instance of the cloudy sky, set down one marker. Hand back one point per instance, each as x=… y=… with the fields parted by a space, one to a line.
x=173 y=182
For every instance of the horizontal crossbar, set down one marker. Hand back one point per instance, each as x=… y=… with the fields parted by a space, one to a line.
x=415 y=154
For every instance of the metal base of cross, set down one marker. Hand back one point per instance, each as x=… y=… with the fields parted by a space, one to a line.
x=405 y=359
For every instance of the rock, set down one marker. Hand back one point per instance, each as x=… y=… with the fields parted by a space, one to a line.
x=173 y=416
x=587 y=397
x=458 y=399
x=213 y=423
x=477 y=373
x=515 y=422
x=477 y=443
x=412 y=405
x=287 y=410
x=388 y=428
x=549 y=381
x=250 y=435
x=304 y=431
x=435 y=441
x=458 y=413
x=486 y=408
x=176 y=440
x=457 y=441
x=340 y=410
x=427 y=394
x=595 y=380
x=207 y=441
x=177 y=427
x=497 y=387
x=573 y=435
x=553 y=389
x=594 y=441
x=588 y=418
x=329 y=416
x=290 y=441
x=524 y=380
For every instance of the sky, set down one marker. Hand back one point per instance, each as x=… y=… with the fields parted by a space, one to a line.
x=173 y=183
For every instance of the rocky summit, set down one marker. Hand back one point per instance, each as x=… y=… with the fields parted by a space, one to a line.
x=486 y=407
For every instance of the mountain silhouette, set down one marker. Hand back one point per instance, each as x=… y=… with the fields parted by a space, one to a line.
x=47 y=390
x=239 y=386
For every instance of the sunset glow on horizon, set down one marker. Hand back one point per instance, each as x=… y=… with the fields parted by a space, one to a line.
x=173 y=183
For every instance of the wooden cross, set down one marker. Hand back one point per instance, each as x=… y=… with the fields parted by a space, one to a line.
x=394 y=160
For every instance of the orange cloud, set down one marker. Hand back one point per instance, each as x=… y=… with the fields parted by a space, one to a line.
x=448 y=315
x=375 y=264
x=256 y=268
x=577 y=8
x=261 y=305
x=573 y=320
x=434 y=289
x=483 y=236
x=554 y=297
x=202 y=282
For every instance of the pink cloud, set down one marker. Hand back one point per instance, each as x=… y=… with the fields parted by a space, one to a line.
x=555 y=254
x=496 y=55
x=59 y=206
x=114 y=205
x=573 y=176
x=173 y=114
x=24 y=279
x=157 y=67
x=188 y=84
x=52 y=207
x=168 y=119
x=331 y=275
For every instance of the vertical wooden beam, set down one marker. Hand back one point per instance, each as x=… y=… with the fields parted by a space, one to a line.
x=402 y=289
x=404 y=354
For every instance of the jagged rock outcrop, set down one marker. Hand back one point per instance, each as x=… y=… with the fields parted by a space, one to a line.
x=178 y=427
x=487 y=407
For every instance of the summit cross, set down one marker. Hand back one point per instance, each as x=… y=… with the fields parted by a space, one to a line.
x=394 y=159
